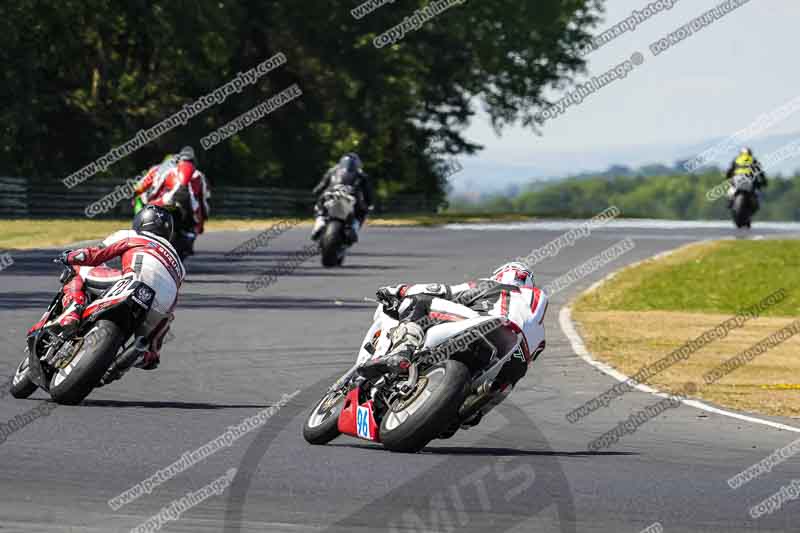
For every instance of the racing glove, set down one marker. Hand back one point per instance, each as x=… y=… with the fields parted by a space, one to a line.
x=63 y=258
x=391 y=296
x=69 y=257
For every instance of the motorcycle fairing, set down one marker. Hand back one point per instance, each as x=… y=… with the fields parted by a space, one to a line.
x=441 y=333
x=358 y=420
x=339 y=203
x=380 y=322
x=435 y=335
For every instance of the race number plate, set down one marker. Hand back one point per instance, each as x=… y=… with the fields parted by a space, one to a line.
x=362 y=423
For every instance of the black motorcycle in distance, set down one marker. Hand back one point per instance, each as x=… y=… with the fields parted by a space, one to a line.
x=338 y=208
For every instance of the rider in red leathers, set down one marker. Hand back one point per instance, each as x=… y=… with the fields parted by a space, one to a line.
x=147 y=256
x=177 y=182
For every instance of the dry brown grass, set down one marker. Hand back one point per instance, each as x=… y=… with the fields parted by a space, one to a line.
x=629 y=340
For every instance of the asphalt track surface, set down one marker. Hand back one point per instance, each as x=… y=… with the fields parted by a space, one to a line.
x=526 y=468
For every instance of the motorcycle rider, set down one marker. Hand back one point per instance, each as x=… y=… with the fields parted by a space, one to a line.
x=510 y=293
x=177 y=182
x=152 y=181
x=147 y=256
x=746 y=165
x=348 y=171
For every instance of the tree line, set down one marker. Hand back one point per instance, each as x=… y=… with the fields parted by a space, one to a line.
x=675 y=196
x=82 y=77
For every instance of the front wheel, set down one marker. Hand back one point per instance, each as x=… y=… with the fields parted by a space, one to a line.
x=413 y=422
x=331 y=244
x=322 y=424
x=21 y=385
x=75 y=380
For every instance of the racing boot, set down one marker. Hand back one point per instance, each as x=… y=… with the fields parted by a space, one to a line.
x=319 y=224
x=406 y=339
x=66 y=324
x=352 y=233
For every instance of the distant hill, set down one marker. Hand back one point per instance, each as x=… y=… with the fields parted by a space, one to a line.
x=666 y=196
x=481 y=176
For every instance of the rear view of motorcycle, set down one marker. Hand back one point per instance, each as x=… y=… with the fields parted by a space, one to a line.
x=745 y=201
x=441 y=390
x=69 y=367
x=338 y=208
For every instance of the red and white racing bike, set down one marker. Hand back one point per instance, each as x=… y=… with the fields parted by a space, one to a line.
x=438 y=394
x=70 y=367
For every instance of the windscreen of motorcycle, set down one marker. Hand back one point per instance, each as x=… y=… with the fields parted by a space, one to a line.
x=340 y=206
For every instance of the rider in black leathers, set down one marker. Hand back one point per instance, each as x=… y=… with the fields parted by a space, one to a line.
x=747 y=165
x=348 y=171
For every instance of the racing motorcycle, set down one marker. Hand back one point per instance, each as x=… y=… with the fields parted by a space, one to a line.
x=70 y=367
x=745 y=199
x=337 y=206
x=440 y=392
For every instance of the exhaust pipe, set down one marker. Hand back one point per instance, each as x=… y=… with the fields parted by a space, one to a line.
x=124 y=362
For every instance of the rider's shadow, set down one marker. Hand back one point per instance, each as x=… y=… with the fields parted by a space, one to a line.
x=487 y=451
x=192 y=406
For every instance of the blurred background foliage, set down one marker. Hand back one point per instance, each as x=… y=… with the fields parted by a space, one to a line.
x=666 y=196
x=81 y=77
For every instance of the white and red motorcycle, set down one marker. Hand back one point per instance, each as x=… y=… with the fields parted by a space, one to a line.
x=440 y=392
x=70 y=367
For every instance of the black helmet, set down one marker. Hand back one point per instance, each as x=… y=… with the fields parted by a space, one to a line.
x=155 y=220
x=351 y=163
x=186 y=154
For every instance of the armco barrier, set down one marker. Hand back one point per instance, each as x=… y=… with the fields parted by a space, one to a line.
x=23 y=198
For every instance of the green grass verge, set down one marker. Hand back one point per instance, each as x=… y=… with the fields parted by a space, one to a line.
x=22 y=234
x=720 y=277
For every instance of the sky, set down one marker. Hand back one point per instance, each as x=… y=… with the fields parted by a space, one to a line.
x=711 y=85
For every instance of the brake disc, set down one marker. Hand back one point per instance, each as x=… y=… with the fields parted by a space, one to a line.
x=422 y=384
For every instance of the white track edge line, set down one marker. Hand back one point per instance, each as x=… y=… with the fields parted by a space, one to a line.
x=576 y=342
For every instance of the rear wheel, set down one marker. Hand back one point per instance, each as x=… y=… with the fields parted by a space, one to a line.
x=322 y=424
x=330 y=243
x=21 y=385
x=741 y=211
x=72 y=383
x=412 y=423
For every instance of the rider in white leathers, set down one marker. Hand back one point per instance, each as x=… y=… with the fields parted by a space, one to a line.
x=510 y=293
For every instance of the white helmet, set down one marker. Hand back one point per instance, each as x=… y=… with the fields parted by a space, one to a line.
x=514 y=273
